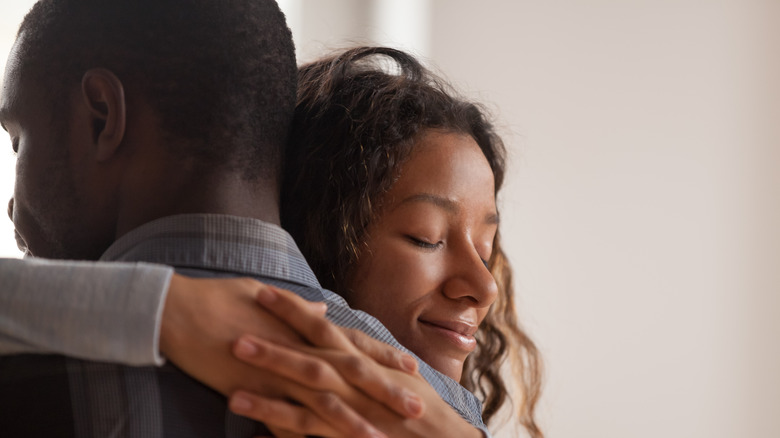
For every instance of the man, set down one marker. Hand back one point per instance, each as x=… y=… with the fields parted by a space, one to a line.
x=152 y=131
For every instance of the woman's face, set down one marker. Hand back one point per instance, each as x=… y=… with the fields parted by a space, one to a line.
x=422 y=272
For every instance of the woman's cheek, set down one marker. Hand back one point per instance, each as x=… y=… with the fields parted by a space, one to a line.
x=418 y=271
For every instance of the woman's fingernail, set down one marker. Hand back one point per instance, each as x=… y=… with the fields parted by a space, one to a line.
x=240 y=403
x=318 y=306
x=245 y=348
x=413 y=404
x=373 y=433
x=408 y=363
x=265 y=295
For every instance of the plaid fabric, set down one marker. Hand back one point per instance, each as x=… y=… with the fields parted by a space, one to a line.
x=49 y=395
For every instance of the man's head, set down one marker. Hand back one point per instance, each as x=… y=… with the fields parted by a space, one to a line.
x=88 y=81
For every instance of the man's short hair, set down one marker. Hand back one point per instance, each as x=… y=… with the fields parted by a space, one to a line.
x=220 y=73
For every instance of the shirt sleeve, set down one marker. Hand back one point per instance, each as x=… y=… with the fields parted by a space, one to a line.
x=97 y=311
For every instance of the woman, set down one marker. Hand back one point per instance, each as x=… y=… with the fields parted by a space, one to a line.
x=364 y=142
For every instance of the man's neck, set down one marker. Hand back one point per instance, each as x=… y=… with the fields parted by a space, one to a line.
x=216 y=193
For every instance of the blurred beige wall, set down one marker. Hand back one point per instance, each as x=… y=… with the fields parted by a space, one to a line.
x=643 y=203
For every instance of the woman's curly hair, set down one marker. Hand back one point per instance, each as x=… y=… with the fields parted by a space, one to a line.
x=358 y=116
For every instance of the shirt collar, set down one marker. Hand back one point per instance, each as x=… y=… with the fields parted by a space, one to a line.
x=215 y=242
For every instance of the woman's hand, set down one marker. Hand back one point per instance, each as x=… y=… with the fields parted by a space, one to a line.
x=337 y=347
x=203 y=318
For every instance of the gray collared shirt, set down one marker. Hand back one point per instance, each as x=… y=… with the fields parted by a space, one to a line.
x=204 y=245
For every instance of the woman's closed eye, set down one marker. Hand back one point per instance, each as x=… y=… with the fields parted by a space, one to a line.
x=423 y=243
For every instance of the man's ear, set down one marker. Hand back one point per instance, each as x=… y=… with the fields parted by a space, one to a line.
x=104 y=97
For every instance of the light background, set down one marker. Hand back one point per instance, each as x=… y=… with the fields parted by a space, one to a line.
x=642 y=208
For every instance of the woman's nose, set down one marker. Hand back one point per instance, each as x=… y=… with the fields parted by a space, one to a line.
x=471 y=279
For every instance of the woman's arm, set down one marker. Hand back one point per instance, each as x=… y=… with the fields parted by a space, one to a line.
x=97 y=311
x=112 y=312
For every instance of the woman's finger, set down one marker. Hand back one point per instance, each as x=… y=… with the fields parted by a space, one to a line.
x=300 y=367
x=381 y=352
x=363 y=372
x=279 y=433
x=327 y=370
x=307 y=419
x=303 y=316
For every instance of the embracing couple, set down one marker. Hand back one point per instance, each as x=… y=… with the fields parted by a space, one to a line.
x=179 y=133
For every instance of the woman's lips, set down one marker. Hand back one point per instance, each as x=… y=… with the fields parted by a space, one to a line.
x=459 y=333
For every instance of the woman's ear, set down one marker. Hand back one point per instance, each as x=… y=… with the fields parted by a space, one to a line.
x=104 y=96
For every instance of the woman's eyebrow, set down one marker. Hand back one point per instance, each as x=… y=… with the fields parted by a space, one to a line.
x=447 y=204
x=439 y=201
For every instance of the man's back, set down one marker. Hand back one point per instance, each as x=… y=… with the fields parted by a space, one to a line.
x=51 y=395
x=60 y=396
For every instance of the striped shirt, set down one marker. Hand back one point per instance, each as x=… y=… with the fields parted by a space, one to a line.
x=58 y=396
